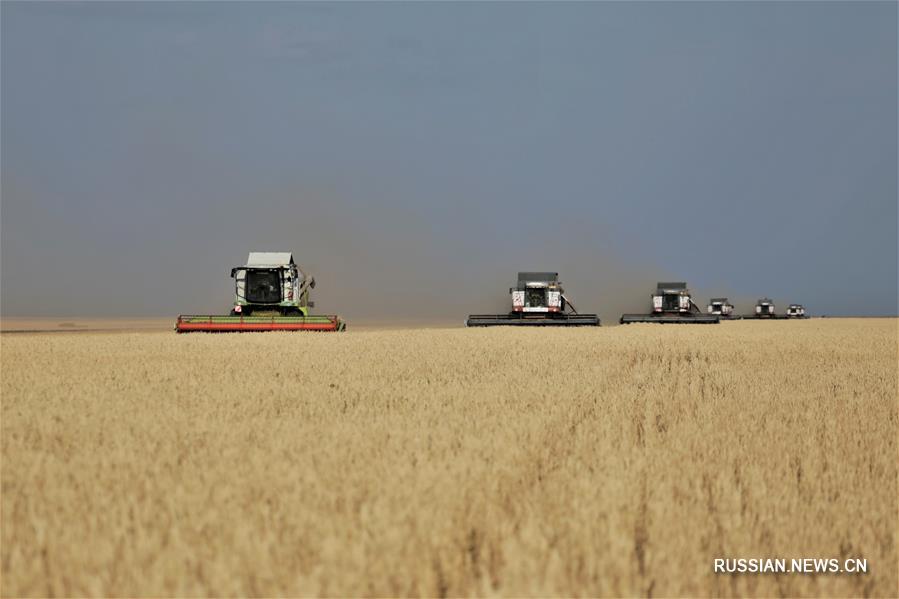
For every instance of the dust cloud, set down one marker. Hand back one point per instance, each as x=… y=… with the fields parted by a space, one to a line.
x=373 y=264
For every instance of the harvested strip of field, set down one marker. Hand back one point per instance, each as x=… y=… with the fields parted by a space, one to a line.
x=611 y=461
x=80 y=325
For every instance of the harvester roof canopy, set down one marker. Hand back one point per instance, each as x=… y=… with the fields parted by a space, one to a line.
x=538 y=277
x=270 y=259
x=765 y=300
x=671 y=286
x=718 y=300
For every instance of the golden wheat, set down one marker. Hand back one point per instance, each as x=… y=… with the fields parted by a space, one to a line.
x=613 y=461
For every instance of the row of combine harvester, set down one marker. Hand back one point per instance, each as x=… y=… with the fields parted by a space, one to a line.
x=271 y=293
x=539 y=300
x=764 y=308
x=672 y=302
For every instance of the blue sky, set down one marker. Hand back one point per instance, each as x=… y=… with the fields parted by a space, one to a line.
x=416 y=156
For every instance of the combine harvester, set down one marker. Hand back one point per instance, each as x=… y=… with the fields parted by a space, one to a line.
x=537 y=300
x=796 y=311
x=723 y=309
x=671 y=303
x=764 y=309
x=271 y=294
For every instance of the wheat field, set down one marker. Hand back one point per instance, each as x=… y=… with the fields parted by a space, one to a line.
x=448 y=462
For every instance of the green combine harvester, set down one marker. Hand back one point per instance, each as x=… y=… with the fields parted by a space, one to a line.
x=271 y=294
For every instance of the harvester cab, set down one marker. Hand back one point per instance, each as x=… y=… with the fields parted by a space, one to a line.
x=796 y=311
x=720 y=307
x=538 y=299
x=672 y=298
x=538 y=292
x=271 y=293
x=271 y=281
x=672 y=303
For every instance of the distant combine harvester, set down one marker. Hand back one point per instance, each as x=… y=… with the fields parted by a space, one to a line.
x=538 y=299
x=720 y=307
x=672 y=304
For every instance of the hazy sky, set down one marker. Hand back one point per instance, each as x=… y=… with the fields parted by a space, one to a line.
x=416 y=156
